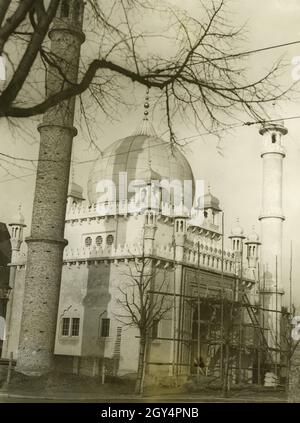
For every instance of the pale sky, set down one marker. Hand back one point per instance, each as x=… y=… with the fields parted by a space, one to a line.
x=235 y=177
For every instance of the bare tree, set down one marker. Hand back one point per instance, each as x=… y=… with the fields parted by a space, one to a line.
x=196 y=75
x=202 y=76
x=143 y=305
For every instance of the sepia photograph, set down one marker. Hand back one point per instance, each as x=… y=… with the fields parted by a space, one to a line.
x=150 y=204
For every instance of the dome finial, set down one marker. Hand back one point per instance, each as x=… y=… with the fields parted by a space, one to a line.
x=146 y=105
x=145 y=127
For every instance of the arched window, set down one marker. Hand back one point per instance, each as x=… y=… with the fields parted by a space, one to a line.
x=273 y=138
x=88 y=241
x=99 y=240
x=109 y=240
x=65 y=8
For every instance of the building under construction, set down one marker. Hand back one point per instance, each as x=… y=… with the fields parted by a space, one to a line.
x=224 y=315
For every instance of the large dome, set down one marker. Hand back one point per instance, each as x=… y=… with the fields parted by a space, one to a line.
x=137 y=155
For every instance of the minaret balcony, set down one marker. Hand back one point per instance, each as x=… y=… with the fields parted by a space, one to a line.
x=270 y=148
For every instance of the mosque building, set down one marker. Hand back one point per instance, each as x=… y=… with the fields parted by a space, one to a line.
x=138 y=228
x=146 y=280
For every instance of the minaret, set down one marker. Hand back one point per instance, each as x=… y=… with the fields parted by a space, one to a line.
x=17 y=227
x=17 y=234
x=75 y=192
x=252 y=244
x=271 y=216
x=211 y=208
x=271 y=219
x=46 y=242
x=237 y=245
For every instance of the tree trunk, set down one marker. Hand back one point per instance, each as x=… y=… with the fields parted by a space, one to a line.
x=294 y=377
x=46 y=243
x=141 y=368
x=225 y=385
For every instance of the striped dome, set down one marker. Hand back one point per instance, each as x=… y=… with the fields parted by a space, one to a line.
x=140 y=156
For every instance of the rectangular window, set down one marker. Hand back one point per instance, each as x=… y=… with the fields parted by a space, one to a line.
x=65 y=326
x=105 y=323
x=75 y=326
x=155 y=329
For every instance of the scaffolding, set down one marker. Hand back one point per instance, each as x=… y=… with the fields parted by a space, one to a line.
x=231 y=343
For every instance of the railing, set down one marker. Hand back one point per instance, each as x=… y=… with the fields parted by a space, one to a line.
x=124 y=207
x=210 y=257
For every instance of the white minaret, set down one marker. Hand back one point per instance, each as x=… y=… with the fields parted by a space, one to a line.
x=271 y=219
x=17 y=227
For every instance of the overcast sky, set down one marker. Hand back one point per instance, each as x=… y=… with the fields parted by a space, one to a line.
x=235 y=176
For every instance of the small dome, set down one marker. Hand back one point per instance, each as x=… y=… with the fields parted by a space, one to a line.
x=18 y=218
x=253 y=236
x=208 y=201
x=211 y=202
x=237 y=231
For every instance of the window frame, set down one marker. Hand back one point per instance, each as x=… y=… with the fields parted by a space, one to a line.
x=104 y=333
x=65 y=319
x=77 y=319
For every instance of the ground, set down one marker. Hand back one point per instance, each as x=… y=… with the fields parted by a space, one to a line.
x=60 y=387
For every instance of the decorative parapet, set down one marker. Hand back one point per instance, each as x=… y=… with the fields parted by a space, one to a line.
x=96 y=212
x=85 y=253
x=84 y=211
x=210 y=257
x=206 y=229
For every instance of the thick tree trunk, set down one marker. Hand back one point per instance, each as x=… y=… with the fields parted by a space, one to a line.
x=294 y=377
x=46 y=243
